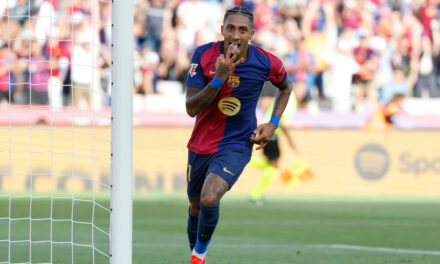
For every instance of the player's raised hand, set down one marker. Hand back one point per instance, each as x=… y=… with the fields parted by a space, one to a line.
x=226 y=63
x=262 y=134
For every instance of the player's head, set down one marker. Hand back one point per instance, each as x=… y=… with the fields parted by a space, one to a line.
x=241 y=11
x=237 y=27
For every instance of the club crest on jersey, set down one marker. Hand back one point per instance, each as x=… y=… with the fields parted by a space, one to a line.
x=192 y=69
x=229 y=106
x=234 y=81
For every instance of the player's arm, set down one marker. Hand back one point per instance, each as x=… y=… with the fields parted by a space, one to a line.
x=264 y=132
x=282 y=98
x=199 y=99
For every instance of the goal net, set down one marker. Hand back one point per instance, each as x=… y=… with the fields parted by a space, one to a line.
x=55 y=131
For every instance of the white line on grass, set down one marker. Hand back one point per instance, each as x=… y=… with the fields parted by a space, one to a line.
x=381 y=249
x=275 y=245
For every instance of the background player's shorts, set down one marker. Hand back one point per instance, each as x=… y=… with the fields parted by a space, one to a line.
x=272 y=150
x=229 y=164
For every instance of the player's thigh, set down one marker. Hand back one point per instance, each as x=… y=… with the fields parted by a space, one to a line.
x=213 y=189
x=196 y=173
x=229 y=164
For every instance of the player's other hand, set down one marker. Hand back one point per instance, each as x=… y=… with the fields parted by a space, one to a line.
x=226 y=63
x=262 y=135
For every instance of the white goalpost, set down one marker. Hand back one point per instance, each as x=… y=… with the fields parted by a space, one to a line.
x=66 y=78
x=122 y=133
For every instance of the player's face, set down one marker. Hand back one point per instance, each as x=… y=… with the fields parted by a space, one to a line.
x=237 y=30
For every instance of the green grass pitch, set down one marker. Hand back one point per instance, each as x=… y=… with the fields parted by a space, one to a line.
x=286 y=230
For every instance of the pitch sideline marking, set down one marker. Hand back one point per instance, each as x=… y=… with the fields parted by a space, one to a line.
x=334 y=246
x=381 y=249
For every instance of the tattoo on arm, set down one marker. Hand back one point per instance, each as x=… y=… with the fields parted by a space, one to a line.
x=199 y=99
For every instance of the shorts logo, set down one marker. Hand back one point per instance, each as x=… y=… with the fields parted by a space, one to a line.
x=192 y=69
x=227 y=171
x=234 y=81
x=229 y=106
x=212 y=72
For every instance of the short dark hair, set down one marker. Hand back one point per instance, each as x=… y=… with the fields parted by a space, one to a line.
x=240 y=10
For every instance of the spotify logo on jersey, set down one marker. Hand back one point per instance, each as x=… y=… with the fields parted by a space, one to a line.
x=229 y=106
x=372 y=162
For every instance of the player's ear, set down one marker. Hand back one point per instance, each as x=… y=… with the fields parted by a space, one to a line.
x=221 y=29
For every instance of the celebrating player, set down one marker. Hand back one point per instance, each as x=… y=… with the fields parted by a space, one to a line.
x=223 y=86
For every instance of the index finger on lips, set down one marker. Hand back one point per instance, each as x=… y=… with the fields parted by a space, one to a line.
x=228 y=52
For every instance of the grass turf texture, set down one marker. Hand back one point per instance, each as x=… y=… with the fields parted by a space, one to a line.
x=286 y=230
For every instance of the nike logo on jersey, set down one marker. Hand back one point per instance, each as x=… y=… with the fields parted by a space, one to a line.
x=227 y=171
x=211 y=72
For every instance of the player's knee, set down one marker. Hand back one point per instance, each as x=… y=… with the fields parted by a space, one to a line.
x=209 y=199
x=194 y=208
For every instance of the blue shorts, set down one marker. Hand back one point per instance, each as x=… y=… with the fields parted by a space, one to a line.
x=229 y=164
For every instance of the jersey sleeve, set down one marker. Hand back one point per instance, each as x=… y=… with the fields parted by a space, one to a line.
x=277 y=74
x=195 y=76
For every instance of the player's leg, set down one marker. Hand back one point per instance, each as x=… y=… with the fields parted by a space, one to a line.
x=213 y=190
x=196 y=171
x=270 y=171
x=224 y=170
x=193 y=220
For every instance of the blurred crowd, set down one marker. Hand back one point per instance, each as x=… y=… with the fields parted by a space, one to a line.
x=55 y=52
x=343 y=55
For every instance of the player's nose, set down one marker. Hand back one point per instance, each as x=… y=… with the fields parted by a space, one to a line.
x=235 y=35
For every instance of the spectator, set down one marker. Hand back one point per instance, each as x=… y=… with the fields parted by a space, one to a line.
x=149 y=64
x=21 y=11
x=174 y=61
x=317 y=25
x=427 y=82
x=82 y=67
x=4 y=74
x=39 y=73
x=342 y=67
x=399 y=85
x=58 y=52
x=155 y=22
x=363 y=80
x=301 y=66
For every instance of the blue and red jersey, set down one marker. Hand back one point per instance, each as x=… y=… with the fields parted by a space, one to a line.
x=230 y=120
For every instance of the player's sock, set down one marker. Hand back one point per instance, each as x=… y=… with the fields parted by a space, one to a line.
x=270 y=173
x=208 y=219
x=191 y=229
